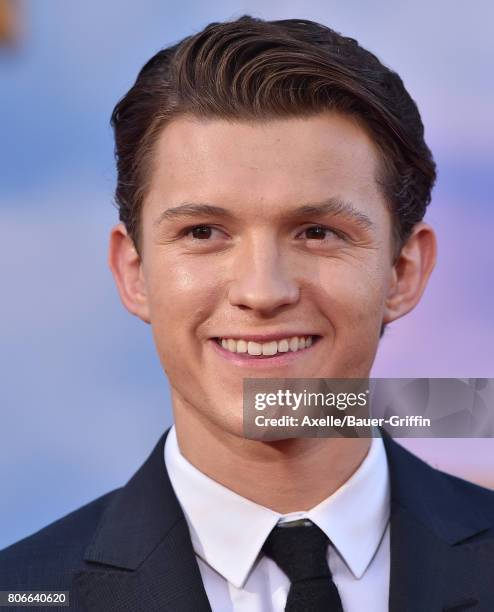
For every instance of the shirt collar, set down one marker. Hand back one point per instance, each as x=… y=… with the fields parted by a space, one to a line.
x=354 y=517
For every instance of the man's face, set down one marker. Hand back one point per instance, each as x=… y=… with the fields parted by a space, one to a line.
x=256 y=233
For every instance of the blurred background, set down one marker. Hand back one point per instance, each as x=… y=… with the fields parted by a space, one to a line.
x=82 y=395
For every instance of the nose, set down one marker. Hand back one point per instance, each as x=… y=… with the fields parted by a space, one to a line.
x=262 y=281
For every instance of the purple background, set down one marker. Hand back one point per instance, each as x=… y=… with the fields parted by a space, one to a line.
x=83 y=398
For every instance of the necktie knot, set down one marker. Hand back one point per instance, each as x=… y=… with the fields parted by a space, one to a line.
x=300 y=551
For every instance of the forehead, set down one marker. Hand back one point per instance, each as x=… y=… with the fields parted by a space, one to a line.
x=261 y=165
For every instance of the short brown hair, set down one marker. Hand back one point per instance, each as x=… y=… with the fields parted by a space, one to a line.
x=254 y=69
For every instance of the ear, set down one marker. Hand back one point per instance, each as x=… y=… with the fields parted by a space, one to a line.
x=411 y=272
x=126 y=266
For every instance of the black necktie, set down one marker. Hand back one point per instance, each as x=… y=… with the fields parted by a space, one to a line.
x=300 y=551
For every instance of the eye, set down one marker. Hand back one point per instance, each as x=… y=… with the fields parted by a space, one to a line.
x=320 y=232
x=200 y=232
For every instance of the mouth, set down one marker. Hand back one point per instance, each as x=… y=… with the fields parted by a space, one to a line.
x=273 y=351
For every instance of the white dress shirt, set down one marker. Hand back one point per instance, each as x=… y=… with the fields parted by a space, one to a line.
x=228 y=532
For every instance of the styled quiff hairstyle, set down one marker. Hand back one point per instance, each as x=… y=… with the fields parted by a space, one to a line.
x=252 y=70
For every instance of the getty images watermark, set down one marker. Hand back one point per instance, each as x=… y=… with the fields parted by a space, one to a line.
x=419 y=407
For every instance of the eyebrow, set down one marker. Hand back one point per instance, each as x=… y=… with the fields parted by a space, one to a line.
x=192 y=209
x=330 y=206
x=336 y=207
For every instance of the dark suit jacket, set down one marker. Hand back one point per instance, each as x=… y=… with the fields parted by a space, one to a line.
x=130 y=550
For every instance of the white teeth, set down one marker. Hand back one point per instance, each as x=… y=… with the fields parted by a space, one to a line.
x=293 y=344
x=241 y=346
x=283 y=346
x=270 y=348
x=254 y=348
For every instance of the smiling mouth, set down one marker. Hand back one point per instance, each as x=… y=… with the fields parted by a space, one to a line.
x=249 y=349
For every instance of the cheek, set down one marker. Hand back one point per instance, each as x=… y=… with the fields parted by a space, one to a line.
x=181 y=295
x=353 y=294
x=353 y=301
x=367 y=299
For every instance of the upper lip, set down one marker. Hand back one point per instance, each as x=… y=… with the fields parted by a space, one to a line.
x=266 y=337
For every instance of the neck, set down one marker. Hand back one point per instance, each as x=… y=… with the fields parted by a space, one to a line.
x=286 y=476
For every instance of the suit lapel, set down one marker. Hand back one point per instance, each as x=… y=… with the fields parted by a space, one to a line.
x=141 y=557
x=418 y=561
x=436 y=536
x=168 y=581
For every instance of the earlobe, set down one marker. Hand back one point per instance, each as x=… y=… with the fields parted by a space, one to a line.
x=126 y=266
x=411 y=272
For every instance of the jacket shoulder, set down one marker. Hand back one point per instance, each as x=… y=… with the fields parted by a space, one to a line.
x=48 y=558
x=481 y=497
x=452 y=507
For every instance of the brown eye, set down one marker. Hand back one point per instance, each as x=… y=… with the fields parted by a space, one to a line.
x=316 y=233
x=203 y=232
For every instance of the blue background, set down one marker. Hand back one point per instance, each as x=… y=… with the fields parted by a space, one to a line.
x=82 y=395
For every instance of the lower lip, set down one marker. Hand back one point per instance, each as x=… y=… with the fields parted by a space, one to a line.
x=251 y=361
